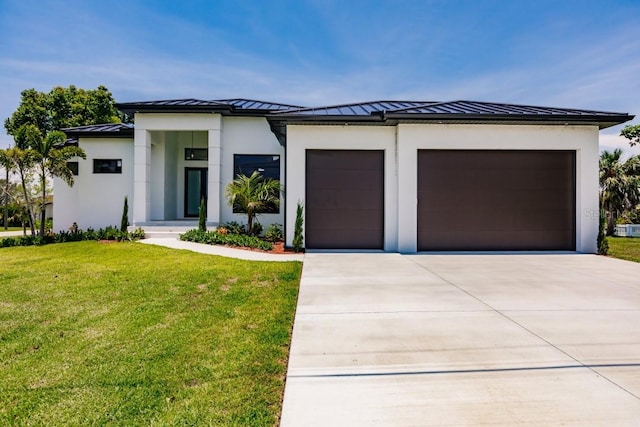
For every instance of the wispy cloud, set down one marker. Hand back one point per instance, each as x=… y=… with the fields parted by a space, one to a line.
x=323 y=52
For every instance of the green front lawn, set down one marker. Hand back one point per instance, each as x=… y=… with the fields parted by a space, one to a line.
x=625 y=248
x=130 y=334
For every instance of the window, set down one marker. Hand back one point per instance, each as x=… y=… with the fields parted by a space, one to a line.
x=196 y=154
x=107 y=165
x=267 y=165
x=73 y=167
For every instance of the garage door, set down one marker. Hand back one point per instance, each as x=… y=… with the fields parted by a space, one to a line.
x=344 y=199
x=496 y=200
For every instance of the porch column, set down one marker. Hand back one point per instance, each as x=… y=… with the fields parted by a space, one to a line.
x=213 y=184
x=141 y=176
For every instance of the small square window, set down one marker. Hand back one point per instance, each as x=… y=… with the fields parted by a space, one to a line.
x=73 y=167
x=196 y=154
x=107 y=165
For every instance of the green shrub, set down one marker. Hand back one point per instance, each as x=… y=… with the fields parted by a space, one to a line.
x=202 y=215
x=298 y=238
x=603 y=244
x=124 y=221
x=274 y=233
x=234 y=227
x=75 y=235
x=256 y=229
x=230 y=239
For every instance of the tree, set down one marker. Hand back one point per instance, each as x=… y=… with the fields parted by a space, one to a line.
x=632 y=133
x=5 y=163
x=63 y=107
x=22 y=161
x=619 y=185
x=50 y=159
x=124 y=219
x=253 y=195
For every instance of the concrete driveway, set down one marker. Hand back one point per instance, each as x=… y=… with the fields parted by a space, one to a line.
x=422 y=340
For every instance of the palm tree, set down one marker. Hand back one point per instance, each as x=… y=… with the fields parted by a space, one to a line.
x=50 y=158
x=21 y=161
x=6 y=164
x=253 y=195
x=619 y=185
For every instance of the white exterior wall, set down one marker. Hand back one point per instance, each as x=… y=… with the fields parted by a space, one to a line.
x=302 y=138
x=248 y=135
x=95 y=200
x=401 y=182
x=583 y=139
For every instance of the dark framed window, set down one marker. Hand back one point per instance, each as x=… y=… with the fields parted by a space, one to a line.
x=73 y=167
x=107 y=165
x=196 y=154
x=268 y=165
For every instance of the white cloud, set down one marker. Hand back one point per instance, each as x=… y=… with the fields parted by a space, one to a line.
x=611 y=142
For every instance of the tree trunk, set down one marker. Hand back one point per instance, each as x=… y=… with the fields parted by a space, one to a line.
x=611 y=221
x=28 y=203
x=43 y=208
x=249 y=221
x=6 y=199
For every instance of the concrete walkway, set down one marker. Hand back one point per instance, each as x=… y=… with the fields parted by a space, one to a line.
x=457 y=340
x=221 y=250
x=12 y=233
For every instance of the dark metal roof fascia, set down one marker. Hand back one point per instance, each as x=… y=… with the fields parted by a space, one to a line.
x=601 y=121
x=97 y=134
x=131 y=108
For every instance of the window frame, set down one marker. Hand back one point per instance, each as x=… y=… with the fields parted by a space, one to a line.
x=74 y=167
x=272 y=209
x=189 y=150
x=116 y=170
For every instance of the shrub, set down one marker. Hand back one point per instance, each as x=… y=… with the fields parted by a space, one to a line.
x=74 y=235
x=234 y=227
x=256 y=229
x=124 y=221
x=298 y=238
x=274 y=233
x=603 y=244
x=215 y=238
x=202 y=215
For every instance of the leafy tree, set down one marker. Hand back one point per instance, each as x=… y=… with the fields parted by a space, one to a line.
x=619 y=185
x=63 y=107
x=632 y=133
x=253 y=195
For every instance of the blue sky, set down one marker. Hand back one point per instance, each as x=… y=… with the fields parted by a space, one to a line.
x=580 y=54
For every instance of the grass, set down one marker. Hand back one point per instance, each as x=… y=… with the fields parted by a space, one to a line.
x=625 y=248
x=131 y=334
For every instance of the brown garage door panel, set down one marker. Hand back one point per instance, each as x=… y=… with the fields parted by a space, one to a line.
x=344 y=199
x=496 y=200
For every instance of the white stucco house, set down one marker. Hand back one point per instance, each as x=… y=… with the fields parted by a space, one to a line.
x=398 y=176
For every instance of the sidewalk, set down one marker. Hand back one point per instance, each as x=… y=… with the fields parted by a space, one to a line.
x=221 y=250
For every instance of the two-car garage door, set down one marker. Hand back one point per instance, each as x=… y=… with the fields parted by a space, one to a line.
x=496 y=200
x=467 y=200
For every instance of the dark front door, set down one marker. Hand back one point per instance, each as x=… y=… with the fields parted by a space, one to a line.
x=496 y=200
x=195 y=188
x=344 y=199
